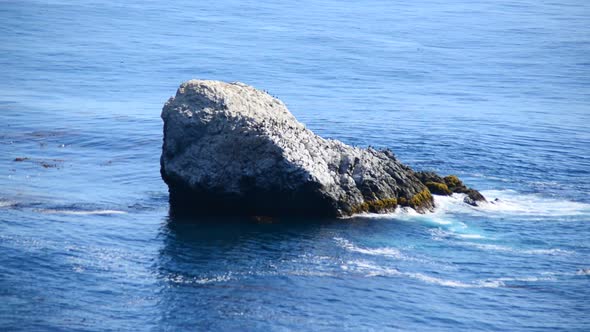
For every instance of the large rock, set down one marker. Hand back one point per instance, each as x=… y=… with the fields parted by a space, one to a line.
x=232 y=149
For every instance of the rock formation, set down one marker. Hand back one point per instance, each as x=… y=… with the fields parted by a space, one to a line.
x=232 y=149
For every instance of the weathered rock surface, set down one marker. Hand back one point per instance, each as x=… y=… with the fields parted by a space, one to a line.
x=449 y=185
x=232 y=149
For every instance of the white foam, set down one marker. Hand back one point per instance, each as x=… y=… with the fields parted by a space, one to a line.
x=496 y=247
x=583 y=272
x=439 y=234
x=514 y=203
x=180 y=279
x=490 y=283
x=470 y=236
x=372 y=270
x=83 y=213
x=202 y=281
x=384 y=251
x=306 y=273
x=528 y=279
x=399 y=212
x=78 y=269
x=6 y=204
x=487 y=246
x=509 y=202
x=369 y=269
x=441 y=216
x=438 y=281
x=553 y=251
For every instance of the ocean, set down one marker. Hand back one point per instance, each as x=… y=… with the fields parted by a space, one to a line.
x=496 y=92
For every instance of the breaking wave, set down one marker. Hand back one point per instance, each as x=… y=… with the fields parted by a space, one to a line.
x=513 y=203
x=505 y=202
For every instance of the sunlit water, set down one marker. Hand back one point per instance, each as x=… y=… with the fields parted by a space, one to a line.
x=497 y=93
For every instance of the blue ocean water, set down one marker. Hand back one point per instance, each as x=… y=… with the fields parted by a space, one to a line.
x=496 y=92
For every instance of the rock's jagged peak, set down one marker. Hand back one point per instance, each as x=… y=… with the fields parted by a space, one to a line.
x=236 y=98
x=232 y=149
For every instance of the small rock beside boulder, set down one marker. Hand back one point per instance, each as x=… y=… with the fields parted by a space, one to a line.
x=449 y=185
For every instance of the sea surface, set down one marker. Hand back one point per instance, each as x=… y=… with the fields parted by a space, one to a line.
x=497 y=92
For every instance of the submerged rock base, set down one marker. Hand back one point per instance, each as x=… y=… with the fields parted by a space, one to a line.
x=230 y=149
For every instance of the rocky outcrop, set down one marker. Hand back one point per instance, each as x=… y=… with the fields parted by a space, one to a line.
x=449 y=185
x=232 y=149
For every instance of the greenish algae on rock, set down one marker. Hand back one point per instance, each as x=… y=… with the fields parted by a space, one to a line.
x=418 y=200
x=438 y=188
x=448 y=185
x=377 y=206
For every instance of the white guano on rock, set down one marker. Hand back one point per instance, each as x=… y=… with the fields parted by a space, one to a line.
x=231 y=149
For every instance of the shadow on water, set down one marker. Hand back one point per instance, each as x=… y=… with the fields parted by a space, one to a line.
x=222 y=273
x=225 y=268
x=203 y=244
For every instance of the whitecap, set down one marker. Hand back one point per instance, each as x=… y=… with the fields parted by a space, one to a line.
x=4 y=203
x=81 y=212
x=490 y=283
x=470 y=236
